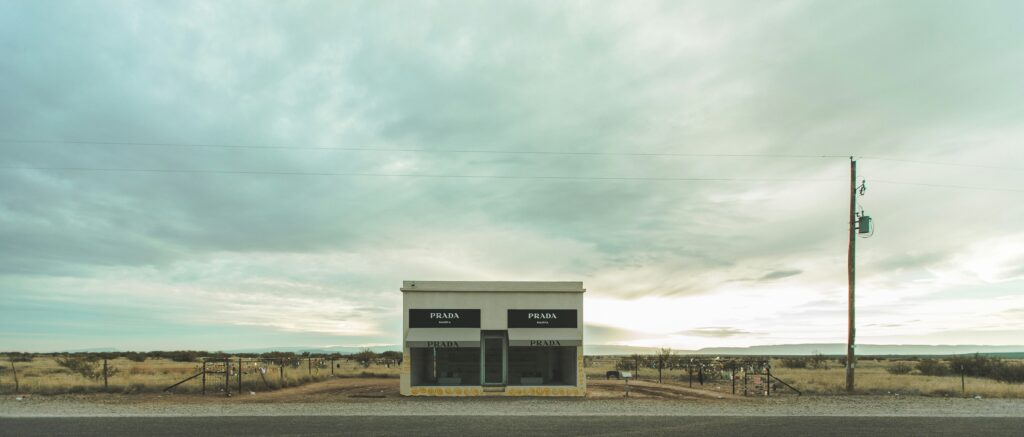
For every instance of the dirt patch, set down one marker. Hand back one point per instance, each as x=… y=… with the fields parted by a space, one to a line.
x=371 y=389
x=650 y=390
x=330 y=390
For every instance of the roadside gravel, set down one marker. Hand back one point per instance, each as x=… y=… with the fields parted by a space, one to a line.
x=51 y=406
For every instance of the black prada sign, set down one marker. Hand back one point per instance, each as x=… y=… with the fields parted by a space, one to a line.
x=441 y=318
x=541 y=318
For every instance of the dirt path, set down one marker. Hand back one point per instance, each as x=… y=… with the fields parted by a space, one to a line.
x=650 y=390
x=364 y=389
x=332 y=389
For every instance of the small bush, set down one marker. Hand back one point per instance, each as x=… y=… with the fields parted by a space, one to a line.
x=817 y=361
x=183 y=356
x=795 y=362
x=81 y=364
x=933 y=368
x=20 y=357
x=1008 y=372
x=899 y=369
x=86 y=365
x=974 y=365
x=135 y=356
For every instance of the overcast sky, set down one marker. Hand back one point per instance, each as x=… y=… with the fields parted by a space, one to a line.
x=260 y=253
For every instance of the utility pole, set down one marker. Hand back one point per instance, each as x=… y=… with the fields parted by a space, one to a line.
x=851 y=274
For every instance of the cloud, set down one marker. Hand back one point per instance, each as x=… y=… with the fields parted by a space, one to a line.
x=715 y=332
x=598 y=334
x=324 y=255
x=779 y=274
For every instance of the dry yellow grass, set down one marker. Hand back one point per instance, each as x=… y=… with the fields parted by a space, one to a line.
x=44 y=376
x=871 y=378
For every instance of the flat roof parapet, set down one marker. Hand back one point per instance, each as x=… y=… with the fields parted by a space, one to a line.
x=494 y=286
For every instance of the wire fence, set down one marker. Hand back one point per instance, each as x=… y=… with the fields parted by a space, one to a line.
x=226 y=375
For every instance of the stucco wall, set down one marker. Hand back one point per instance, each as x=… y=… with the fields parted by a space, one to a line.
x=493 y=305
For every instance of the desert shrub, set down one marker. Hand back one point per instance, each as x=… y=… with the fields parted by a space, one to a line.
x=137 y=357
x=183 y=356
x=933 y=368
x=365 y=357
x=817 y=361
x=899 y=368
x=1007 y=372
x=86 y=365
x=277 y=355
x=20 y=357
x=974 y=365
x=795 y=362
x=392 y=357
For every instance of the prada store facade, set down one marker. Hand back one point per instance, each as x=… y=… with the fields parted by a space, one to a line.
x=492 y=338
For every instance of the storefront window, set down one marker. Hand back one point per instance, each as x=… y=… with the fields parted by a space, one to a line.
x=445 y=366
x=550 y=365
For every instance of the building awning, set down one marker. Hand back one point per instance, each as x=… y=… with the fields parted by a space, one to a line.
x=545 y=337
x=443 y=337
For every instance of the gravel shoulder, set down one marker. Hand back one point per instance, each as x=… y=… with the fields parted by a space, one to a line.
x=367 y=397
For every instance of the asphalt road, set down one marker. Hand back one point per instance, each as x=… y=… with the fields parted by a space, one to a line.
x=515 y=425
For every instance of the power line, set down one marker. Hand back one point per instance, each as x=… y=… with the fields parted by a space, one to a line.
x=962 y=187
x=507 y=177
x=416 y=150
x=947 y=164
x=410 y=175
x=504 y=152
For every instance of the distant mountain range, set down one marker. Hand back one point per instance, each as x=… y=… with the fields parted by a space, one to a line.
x=834 y=349
x=820 y=348
x=344 y=350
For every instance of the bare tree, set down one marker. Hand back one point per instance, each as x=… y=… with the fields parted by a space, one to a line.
x=664 y=356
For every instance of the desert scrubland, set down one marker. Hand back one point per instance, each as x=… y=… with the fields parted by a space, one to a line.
x=44 y=374
x=817 y=376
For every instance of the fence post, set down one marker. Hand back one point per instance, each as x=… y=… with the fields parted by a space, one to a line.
x=309 y=365
x=281 y=368
x=204 y=376
x=105 y=386
x=17 y=388
x=332 y=366
x=768 y=381
x=227 y=377
x=239 y=375
x=689 y=371
x=733 y=379
x=744 y=382
x=963 y=386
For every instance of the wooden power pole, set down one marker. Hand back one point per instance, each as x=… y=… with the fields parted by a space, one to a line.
x=850 y=330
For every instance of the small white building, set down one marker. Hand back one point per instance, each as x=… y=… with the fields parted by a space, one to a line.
x=492 y=338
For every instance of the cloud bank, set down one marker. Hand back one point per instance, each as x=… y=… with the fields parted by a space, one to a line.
x=146 y=260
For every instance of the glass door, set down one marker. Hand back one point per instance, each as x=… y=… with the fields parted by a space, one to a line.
x=494 y=361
